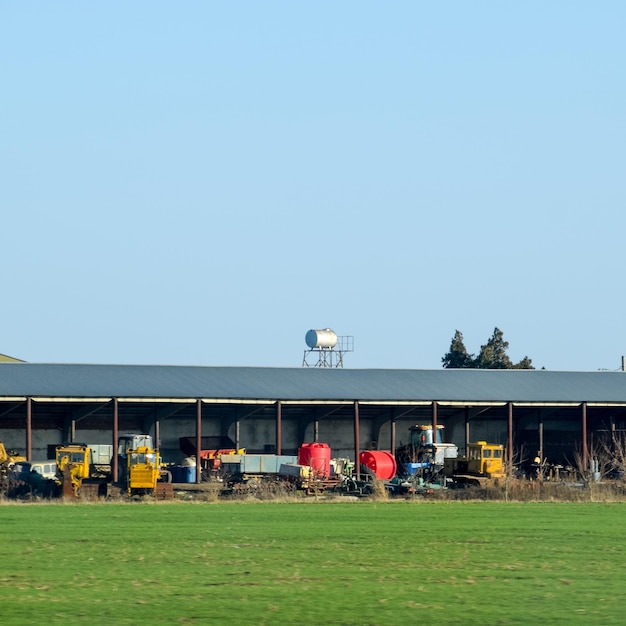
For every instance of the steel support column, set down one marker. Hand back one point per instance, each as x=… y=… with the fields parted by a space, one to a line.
x=540 y=425
x=434 y=422
x=198 y=439
x=392 y=426
x=279 y=427
x=584 y=435
x=467 y=428
x=29 y=429
x=116 y=422
x=357 y=437
x=510 y=437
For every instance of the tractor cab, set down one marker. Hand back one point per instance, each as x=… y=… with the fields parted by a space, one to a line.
x=421 y=436
x=486 y=459
x=144 y=470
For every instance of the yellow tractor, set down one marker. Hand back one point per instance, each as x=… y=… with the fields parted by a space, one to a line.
x=482 y=461
x=146 y=475
x=144 y=466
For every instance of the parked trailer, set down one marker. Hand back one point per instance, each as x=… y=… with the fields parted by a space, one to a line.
x=244 y=465
x=318 y=473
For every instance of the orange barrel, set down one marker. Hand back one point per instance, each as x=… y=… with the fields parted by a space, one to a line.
x=317 y=457
x=380 y=462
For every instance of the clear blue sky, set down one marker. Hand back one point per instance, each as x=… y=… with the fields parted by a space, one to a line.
x=202 y=182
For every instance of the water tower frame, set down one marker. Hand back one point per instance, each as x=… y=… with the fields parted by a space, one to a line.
x=326 y=349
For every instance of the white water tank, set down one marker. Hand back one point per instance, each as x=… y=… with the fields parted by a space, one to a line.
x=325 y=338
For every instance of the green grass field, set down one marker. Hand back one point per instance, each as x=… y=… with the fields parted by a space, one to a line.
x=313 y=563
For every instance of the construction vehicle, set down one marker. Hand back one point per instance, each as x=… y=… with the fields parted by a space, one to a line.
x=8 y=458
x=77 y=475
x=483 y=461
x=143 y=471
x=126 y=443
x=82 y=473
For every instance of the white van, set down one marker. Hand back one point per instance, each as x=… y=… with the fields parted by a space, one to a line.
x=46 y=469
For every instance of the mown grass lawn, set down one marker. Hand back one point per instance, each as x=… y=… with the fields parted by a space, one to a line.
x=313 y=563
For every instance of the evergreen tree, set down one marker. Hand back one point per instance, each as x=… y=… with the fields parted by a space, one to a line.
x=458 y=357
x=492 y=355
x=524 y=364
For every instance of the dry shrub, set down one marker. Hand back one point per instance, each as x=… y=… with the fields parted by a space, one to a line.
x=212 y=491
x=543 y=491
x=271 y=488
x=379 y=492
x=274 y=489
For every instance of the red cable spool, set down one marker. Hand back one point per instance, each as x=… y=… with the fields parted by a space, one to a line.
x=380 y=462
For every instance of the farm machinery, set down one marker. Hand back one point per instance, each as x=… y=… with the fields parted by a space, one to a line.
x=429 y=461
x=482 y=462
x=140 y=469
x=312 y=470
x=423 y=458
x=145 y=472
x=213 y=450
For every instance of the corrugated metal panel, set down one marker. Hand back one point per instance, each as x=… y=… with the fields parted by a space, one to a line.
x=314 y=384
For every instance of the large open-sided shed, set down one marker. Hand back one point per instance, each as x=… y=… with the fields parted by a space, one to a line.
x=560 y=412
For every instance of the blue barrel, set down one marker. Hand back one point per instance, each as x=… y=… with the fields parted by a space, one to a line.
x=176 y=473
x=183 y=474
x=189 y=475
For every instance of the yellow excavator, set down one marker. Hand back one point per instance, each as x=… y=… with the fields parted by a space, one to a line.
x=8 y=458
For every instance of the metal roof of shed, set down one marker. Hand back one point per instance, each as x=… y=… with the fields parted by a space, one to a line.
x=167 y=382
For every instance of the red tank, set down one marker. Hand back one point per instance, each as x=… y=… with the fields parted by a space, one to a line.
x=317 y=457
x=380 y=462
